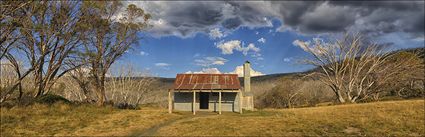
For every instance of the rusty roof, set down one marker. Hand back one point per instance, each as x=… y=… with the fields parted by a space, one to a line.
x=207 y=82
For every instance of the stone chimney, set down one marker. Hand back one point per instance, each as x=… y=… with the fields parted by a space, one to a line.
x=248 y=97
x=247 y=77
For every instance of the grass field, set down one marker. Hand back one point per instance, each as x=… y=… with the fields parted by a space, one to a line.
x=390 y=118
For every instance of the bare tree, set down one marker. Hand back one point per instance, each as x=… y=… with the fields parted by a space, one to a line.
x=112 y=32
x=129 y=87
x=7 y=78
x=285 y=95
x=351 y=67
x=14 y=77
x=402 y=73
x=81 y=77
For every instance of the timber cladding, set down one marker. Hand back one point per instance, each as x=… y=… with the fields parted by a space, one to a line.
x=208 y=92
x=229 y=102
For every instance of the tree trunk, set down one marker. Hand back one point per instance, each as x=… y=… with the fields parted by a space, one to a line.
x=20 y=91
x=289 y=104
x=340 y=97
x=100 y=90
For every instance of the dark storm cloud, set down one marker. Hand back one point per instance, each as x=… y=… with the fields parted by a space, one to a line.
x=200 y=15
x=231 y=23
x=363 y=16
x=307 y=17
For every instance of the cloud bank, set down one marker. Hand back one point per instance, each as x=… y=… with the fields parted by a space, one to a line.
x=188 y=18
x=238 y=70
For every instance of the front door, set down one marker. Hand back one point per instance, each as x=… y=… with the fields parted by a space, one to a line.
x=203 y=100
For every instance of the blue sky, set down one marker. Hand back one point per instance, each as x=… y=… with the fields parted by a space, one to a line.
x=181 y=42
x=278 y=52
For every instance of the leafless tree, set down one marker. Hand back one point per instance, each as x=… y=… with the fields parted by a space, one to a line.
x=402 y=73
x=80 y=76
x=129 y=86
x=285 y=95
x=351 y=67
x=314 y=92
x=7 y=77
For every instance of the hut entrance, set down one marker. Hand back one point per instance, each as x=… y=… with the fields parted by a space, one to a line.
x=203 y=100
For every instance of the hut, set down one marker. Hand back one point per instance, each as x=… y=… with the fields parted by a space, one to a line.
x=211 y=92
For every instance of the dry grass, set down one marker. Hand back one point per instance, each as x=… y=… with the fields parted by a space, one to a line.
x=395 y=118
x=87 y=120
x=391 y=118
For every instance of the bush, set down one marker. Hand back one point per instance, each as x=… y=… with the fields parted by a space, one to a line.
x=295 y=93
x=51 y=99
x=284 y=95
x=8 y=104
x=126 y=106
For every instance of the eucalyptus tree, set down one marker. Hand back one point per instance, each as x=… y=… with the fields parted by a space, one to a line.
x=49 y=32
x=11 y=15
x=112 y=30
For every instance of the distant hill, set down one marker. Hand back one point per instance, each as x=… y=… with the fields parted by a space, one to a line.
x=260 y=84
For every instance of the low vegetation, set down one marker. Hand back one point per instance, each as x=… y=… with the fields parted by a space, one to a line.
x=389 y=118
x=62 y=119
x=394 y=118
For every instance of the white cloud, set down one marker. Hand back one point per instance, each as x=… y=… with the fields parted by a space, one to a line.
x=252 y=47
x=239 y=70
x=262 y=40
x=210 y=61
x=229 y=46
x=205 y=71
x=287 y=59
x=318 y=46
x=143 y=53
x=216 y=33
x=162 y=64
x=256 y=33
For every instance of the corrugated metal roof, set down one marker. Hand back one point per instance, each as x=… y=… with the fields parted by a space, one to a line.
x=207 y=82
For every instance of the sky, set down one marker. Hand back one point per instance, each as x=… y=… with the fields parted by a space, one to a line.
x=219 y=36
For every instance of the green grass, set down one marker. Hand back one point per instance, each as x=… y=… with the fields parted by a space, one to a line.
x=390 y=118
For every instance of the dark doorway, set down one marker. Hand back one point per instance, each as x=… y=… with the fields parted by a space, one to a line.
x=203 y=100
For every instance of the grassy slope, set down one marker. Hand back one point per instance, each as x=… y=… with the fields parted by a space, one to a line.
x=399 y=118
x=383 y=118
x=87 y=120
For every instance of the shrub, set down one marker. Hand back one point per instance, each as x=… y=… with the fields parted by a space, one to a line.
x=51 y=99
x=295 y=93
x=126 y=106
x=284 y=95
